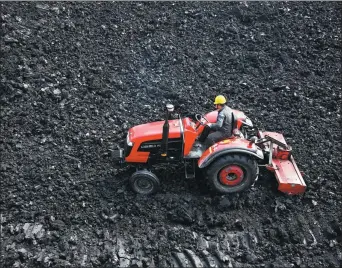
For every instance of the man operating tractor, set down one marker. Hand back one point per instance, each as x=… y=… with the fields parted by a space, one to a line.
x=230 y=161
x=223 y=126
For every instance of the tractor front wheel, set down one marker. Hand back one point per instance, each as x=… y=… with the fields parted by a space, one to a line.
x=144 y=182
x=232 y=173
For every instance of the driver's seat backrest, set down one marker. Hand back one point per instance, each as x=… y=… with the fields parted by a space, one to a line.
x=233 y=123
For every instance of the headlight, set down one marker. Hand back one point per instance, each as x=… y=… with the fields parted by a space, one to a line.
x=129 y=143
x=248 y=122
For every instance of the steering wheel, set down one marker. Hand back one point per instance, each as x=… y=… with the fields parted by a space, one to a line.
x=200 y=118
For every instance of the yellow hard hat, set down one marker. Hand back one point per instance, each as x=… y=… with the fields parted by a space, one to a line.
x=220 y=100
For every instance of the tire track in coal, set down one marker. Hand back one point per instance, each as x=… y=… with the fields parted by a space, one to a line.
x=207 y=258
x=220 y=252
x=211 y=253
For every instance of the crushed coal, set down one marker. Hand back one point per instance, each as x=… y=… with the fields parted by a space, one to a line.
x=76 y=76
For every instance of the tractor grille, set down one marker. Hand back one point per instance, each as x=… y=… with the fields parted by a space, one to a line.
x=127 y=149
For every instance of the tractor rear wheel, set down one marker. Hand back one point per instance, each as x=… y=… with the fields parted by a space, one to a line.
x=144 y=182
x=232 y=173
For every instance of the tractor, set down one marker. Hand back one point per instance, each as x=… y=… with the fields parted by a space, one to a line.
x=230 y=165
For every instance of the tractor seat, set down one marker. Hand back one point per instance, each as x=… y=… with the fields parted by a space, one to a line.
x=235 y=131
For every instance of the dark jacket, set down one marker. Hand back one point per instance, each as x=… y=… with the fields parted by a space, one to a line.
x=224 y=121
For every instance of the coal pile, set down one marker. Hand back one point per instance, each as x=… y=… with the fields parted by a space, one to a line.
x=76 y=76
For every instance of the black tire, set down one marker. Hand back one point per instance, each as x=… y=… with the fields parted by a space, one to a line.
x=223 y=164
x=144 y=182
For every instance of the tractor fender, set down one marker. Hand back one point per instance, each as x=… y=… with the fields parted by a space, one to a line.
x=229 y=146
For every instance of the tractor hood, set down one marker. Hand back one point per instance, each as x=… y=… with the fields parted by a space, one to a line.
x=154 y=131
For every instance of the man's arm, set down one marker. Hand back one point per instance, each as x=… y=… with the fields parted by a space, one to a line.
x=219 y=122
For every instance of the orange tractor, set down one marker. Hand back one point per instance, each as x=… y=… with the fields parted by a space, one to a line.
x=231 y=165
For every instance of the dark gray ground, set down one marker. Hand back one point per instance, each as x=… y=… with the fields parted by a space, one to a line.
x=76 y=76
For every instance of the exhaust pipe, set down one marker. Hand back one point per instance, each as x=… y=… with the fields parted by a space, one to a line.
x=166 y=127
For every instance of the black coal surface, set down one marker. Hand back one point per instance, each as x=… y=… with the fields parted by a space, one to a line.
x=76 y=76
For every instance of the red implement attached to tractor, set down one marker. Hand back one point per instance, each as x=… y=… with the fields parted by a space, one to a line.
x=231 y=165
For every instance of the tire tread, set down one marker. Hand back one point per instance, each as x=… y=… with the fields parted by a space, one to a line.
x=213 y=169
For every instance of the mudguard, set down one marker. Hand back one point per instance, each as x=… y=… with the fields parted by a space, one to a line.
x=231 y=145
